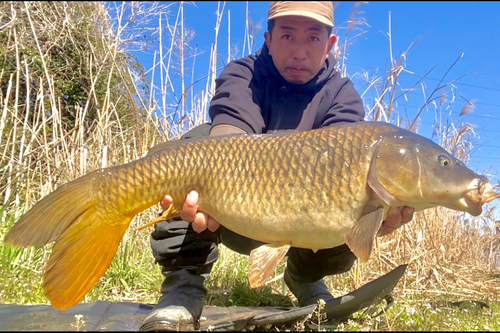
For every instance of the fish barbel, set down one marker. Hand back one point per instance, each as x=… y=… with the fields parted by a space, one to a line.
x=316 y=189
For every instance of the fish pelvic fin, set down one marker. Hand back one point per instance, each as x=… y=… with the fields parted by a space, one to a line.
x=80 y=256
x=262 y=262
x=361 y=236
x=49 y=217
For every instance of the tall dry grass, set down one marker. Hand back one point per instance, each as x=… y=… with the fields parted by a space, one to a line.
x=448 y=252
x=122 y=114
x=45 y=142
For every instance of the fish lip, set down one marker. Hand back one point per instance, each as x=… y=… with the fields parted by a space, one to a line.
x=489 y=194
x=479 y=192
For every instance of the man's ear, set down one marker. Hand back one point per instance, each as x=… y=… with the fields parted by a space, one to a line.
x=267 y=38
x=331 y=41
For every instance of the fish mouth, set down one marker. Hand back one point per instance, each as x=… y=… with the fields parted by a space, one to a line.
x=479 y=192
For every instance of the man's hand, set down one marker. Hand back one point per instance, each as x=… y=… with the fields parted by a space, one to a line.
x=189 y=213
x=396 y=217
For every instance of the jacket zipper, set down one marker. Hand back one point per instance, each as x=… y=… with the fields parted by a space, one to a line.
x=280 y=113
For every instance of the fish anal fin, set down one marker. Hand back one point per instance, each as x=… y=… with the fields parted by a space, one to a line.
x=262 y=262
x=163 y=217
x=79 y=258
x=361 y=236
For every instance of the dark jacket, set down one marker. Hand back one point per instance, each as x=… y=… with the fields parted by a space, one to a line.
x=252 y=95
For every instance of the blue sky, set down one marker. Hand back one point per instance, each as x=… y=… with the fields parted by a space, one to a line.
x=446 y=29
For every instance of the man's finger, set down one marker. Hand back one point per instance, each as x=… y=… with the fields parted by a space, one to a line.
x=200 y=222
x=396 y=217
x=212 y=225
x=166 y=201
x=190 y=207
x=407 y=214
x=392 y=221
x=393 y=217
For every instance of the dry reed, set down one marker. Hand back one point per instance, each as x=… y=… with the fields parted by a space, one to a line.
x=448 y=252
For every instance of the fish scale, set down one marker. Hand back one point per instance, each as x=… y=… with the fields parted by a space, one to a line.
x=316 y=189
x=274 y=162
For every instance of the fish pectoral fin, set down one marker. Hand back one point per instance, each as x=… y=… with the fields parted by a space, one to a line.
x=163 y=217
x=262 y=262
x=361 y=236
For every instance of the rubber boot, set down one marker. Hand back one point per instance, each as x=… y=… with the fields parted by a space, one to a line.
x=180 y=306
x=307 y=293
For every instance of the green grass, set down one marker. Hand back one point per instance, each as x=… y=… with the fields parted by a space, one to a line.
x=133 y=276
x=20 y=269
x=126 y=280
x=21 y=277
x=418 y=313
x=410 y=311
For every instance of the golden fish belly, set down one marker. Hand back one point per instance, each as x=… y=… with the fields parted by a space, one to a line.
x=316 y=232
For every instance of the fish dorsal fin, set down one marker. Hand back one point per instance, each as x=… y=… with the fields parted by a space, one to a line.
x=167 y=145
x=361 y=236
x=262 y=262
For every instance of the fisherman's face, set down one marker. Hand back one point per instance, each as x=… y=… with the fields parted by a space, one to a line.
x=299 y=47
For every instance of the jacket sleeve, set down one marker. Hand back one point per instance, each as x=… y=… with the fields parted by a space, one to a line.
x=346 y=104
x=235 y=101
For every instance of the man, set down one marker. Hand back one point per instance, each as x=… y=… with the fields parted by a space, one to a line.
x=290 y=83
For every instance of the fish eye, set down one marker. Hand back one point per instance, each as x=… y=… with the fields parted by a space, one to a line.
x=444 y=160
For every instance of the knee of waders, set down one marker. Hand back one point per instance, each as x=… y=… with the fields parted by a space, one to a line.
x=306 y=266
x=176 y=245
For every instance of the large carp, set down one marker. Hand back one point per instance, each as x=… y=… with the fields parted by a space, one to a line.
x=316 y=189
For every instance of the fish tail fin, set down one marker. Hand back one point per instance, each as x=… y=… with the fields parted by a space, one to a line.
x=80 y=257
x=85 y=242
x=49 y=217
